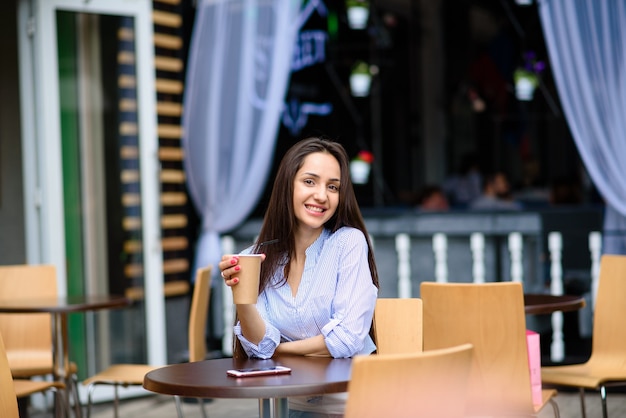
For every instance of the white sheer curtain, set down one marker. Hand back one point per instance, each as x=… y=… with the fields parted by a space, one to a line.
x=586 y=42
x=238 y=71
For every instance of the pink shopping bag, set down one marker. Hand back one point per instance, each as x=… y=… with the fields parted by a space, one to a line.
x=534 y=364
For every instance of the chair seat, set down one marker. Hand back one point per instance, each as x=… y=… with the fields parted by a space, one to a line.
x=24 y=387
x=585 y=375
x=121 y=374
x=29 y=363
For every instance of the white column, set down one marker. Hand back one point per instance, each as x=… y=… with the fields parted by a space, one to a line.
x=403 y=248
x=555 y=245
x=440 y=248
x=595 y=248
x=477 y=245
x=515 y=249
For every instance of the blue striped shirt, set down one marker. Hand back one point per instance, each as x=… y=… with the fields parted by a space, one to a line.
x=336 y=298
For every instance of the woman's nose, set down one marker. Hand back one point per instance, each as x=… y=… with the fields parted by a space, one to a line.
x=320 y=194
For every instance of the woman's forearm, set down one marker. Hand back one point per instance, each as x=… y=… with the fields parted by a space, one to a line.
x=314 y=346
x=252 y=325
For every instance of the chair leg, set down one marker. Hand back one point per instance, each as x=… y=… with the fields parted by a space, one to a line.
x=555 y=408
x=67 y=407
x=76 y=396
x=59 y=404
x=179 y=409
x=89 y=392
x=116 y=402
x=61 y=400
x=581 y=391
x=605 y=413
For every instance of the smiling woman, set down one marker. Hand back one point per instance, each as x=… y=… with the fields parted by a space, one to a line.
x=319 y=282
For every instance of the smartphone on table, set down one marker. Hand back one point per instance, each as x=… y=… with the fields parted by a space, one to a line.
x=258 y=371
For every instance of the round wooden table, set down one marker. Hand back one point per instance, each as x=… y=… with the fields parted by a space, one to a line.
x=208 y=379
x=541 y=304
x=59 y=308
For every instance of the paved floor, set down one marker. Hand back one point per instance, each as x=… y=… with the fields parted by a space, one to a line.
x=157 y=406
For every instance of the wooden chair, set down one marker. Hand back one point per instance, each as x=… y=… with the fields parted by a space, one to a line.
x=398 y=325
x=133 y=374
x=12 y=389
x=429 y=384
x=490 y=316
x=607 y=364
x=28 y=337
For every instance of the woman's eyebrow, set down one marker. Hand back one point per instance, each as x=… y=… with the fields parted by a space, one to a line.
x=307 y=173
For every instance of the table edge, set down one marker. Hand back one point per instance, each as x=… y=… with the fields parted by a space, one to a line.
x=576 y=303
x=116 y=303
x=259 y=392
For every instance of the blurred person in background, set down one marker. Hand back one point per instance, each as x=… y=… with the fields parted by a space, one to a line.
x=496 y=194
x=432 y=199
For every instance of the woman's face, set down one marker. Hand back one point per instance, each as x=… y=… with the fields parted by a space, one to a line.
x=316 y=190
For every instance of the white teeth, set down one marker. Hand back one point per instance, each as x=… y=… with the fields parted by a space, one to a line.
x=314 y=209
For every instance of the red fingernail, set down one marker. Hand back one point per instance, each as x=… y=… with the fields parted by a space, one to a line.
x=235 y=280
x=237 y=268
x=233 y=260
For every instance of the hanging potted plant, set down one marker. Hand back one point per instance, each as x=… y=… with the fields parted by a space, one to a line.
x=358 y=13
x=360 y=167
x=360 y=79
x=525 y=84
x=527 y=76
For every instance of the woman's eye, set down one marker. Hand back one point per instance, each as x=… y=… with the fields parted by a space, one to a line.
x=308 y=181
x=334 y=187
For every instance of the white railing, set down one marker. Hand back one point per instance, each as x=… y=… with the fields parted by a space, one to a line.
x=477 y=247
x=595 y=249
x=555 y=245
x=403 y=248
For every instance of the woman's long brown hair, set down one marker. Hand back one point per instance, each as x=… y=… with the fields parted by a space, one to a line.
x=280 y=221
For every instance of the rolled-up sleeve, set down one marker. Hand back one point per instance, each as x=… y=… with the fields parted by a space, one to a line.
x=266 y=347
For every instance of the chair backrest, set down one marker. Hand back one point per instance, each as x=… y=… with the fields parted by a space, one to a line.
x=398 y=325
x=429 y=384
x=609 y=334
x=30 y=332
x=8 y=399
x=490 y=316
x=198 y=314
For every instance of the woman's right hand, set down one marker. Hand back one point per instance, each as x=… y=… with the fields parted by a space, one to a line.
x=229 y=267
